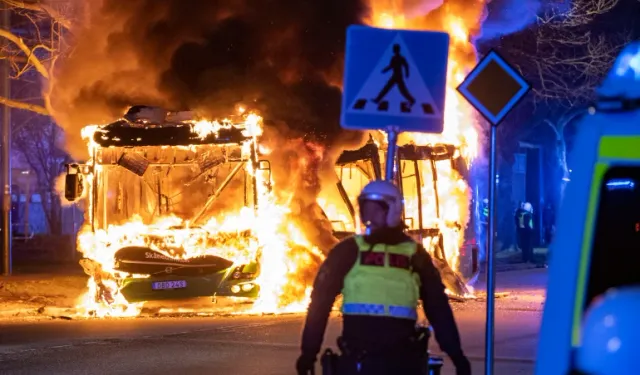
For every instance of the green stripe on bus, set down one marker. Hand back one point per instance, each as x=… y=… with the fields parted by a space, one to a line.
x=620 y=147
x=585 y=252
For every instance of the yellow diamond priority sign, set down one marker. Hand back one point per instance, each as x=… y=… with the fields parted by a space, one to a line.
x=494 y=88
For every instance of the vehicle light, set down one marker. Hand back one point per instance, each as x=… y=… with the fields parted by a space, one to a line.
x=621 y=88
x=628 y=63
x=247 y=287
x=235 y=289
x=620 y=184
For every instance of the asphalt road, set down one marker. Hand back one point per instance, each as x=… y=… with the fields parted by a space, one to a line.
x=246 y=345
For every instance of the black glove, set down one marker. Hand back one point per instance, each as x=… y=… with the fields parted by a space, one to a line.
x=463 y=366
x=305 y=365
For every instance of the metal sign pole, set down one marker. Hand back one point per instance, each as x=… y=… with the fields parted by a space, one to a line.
x=6 y=161
x=392 y=142
x=480 y=101
x=491 y=282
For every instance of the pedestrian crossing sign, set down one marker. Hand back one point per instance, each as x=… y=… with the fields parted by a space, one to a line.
x=395 y=78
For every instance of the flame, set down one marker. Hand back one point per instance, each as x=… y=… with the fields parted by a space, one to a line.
x=206 y=128
x=263 y=234
x=460 y=130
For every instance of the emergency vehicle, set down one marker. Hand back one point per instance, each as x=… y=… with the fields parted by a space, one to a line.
x=597 y=246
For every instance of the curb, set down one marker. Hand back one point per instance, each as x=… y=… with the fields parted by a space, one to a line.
x=514 y=267
x=511 y=267
x=19 y=313
x=44 y=312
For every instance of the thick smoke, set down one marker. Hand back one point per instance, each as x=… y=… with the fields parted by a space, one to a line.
x=509 y=16
x=283 y=59
x=277 y=57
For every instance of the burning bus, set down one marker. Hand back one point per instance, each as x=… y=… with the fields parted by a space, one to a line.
x=433 y=179
x=178 y=208
x=157 y=188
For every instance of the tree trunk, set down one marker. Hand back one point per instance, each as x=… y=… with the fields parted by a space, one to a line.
x=52 y=210
x=561 y=147
x=55 y=224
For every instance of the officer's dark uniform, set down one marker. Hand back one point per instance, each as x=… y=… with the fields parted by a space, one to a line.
x=525 y=222
x=484 y=222
x=516 y=219
x=383 y=336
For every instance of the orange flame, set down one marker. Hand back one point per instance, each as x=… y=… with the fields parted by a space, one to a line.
x=264 y=234
x=272 y=236
x=460 y=130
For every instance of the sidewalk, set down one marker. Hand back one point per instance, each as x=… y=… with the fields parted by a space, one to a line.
x=35 y=289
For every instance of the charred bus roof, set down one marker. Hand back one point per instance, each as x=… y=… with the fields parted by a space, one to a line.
x=145 y=125
x=122 y=134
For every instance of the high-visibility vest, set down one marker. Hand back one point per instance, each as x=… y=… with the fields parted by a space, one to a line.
x=521 y=220
x=382 y=281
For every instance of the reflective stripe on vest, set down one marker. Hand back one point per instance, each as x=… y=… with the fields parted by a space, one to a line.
x=522 y=223
x=382 y=282
x=378 y=309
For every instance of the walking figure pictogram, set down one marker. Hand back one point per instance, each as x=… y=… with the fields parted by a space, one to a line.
x=398 y=65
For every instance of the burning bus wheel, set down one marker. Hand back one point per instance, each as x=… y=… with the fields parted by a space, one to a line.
x=104 y=297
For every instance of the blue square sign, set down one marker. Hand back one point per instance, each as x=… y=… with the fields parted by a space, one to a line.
x=494 y=88
x=395 y=78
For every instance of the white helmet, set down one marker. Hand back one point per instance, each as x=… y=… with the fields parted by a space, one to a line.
x=387 y=193
x=528 y=207
x=610 y=334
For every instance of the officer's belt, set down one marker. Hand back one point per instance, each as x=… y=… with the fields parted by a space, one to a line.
x=417 y=343
x=379 y=309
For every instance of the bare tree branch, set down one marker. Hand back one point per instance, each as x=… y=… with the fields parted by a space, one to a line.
x=570 y=66
x=553 y=127
x=29 y=51
x=32 y=47
x=23 y=105
x=564 y=54
x=39 y=6
x=580 y=13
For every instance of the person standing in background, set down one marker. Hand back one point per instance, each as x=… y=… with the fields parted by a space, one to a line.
x=484 y=225
x=548 y=220
x=525 y=223
x=516 y=218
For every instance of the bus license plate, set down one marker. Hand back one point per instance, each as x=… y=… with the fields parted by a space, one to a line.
x=159 y=285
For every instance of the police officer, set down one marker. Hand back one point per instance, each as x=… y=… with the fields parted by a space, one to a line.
x=516 y=219
x=526 y=232
x=484 y=227
x=485 y=212
x=381 y=276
